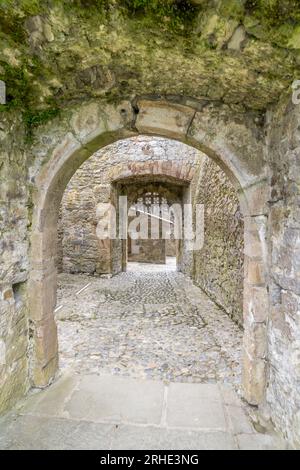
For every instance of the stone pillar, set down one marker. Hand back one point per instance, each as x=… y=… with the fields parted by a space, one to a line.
x=186 y=257
x=256 y=303
x=42 y=301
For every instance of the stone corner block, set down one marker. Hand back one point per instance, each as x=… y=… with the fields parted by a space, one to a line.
x=254 y=379
x=254 y=199
x=43 y=376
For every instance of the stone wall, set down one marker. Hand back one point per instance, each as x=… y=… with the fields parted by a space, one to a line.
x=14 y=263
x=152 y=251
x=80 y=248
x=148 y=251
x=218 y=266
x=283 y=396
x=171 y=248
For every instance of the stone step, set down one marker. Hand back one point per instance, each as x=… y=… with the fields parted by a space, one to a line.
x=111 y=412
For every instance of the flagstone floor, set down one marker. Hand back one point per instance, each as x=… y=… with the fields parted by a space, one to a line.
x=120 y=413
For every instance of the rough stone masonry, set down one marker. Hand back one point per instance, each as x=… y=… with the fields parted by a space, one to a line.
x=216 y=75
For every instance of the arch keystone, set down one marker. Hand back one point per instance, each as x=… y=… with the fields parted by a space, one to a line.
x=162 y=118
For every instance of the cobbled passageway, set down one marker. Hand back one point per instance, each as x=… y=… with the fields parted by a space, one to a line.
x=150 y=322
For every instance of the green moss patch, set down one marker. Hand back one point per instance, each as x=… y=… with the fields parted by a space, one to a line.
x=33 y=119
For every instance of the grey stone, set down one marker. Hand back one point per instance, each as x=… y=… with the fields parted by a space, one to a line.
x=40 y=433
x=97 y=414
x=130 y=437
x=105 y=398
x=51 y=402
x=240 y=422
x=195 y=406
x=259 y=442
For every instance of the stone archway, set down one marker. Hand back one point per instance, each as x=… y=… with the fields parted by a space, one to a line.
x=176 y=174
x=161 y=189
x=234 y=144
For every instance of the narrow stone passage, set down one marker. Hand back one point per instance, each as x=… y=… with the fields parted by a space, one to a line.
x=148 y=323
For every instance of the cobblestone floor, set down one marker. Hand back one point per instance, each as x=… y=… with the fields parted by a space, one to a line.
x=150 y=322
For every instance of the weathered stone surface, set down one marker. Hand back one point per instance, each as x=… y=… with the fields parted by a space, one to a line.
x=283 y=328
x=255 y=274
x=254 y=373
x=256 y=304
x=158 y=117
x=117 y=50
x=56 y=64
x=65 y=416
x=218 y=266
x=14 y=263
x=237 y=39
x=233 y=139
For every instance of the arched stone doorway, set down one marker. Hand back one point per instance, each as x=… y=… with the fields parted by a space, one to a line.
x=152 y=200
x=201 y=127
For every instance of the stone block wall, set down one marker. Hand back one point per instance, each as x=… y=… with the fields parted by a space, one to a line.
x=218 y=266
x=80 y=249
x=14 y=266
x=148 y=251
x=283 y=388
x=171 y=248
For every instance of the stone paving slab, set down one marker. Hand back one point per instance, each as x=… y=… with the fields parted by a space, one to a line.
x=195 y=406
x=117 y=399
x=151 y=438
x=51 y=402
x=44 y=433
x=109 y=412
x=260 y=442
x=40 y=433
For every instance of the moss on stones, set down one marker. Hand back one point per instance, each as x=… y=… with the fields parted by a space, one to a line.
x=33 y=119
x=274 y=20
x=274 y=12
x=17 y=84
x=170 y=15
x=60 y=51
